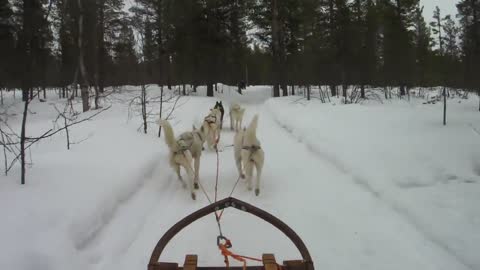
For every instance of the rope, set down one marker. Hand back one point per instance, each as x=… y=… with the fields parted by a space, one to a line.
x=204 y=192
x=224 y=247
x=230 y=195
x=227 y=253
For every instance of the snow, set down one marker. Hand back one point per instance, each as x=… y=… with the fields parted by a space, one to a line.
x=366 y=186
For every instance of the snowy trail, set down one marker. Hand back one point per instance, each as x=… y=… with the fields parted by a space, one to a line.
x=344 y=226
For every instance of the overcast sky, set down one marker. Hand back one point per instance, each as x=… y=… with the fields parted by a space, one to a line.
x=446 y=7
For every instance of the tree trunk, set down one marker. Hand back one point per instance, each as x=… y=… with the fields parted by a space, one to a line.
x=285 y=89
x=308 y=92
x=68 y=133
x=184 y=90
x=362 y=91
x=402 y=90
x=293 y=90
x=144 y=108
x=275 y=49
x=1 y=95
x=161 y=107
x=209 y=89
x=81 y=62
x=22 y=140
x=333 y=90
x=444 y=106
x=276 y=90
x=101 y=47
x=216 y=87
x=44 y=92
x=344 y=89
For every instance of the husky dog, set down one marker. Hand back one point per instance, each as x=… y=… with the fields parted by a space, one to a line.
x=213 y=120
x=183 y=150
x=248 y=153
x=219 y=106
x=236 y=116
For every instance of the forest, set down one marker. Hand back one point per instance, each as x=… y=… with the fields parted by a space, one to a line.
x=339 y=43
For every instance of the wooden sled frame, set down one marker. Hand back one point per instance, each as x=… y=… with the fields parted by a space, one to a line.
x=269 y=262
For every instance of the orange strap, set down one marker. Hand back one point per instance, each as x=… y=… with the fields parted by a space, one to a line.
x=227 y=253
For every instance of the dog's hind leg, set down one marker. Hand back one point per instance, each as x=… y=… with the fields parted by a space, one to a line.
x=186 y=163
x=177 y=170
x=259 y=174
x=248 y=171
x=238 y=162
x=190 y=173
x=197 y=169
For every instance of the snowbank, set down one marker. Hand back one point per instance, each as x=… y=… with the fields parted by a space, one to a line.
x=403 y=155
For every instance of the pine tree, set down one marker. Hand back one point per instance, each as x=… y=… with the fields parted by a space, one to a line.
x=469 y=14
x=7 y=49
x=437 y=27
x=450 y=37
x=422 y=43
x=124 y=55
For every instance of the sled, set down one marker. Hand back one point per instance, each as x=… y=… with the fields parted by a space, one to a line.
x=268 y=260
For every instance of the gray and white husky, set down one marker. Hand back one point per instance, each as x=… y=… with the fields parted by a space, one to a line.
x=248 y=154
x=184 y=149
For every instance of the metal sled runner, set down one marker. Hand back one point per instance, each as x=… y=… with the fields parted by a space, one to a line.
x=268 y=260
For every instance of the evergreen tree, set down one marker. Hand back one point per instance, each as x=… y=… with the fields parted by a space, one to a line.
x=7 y=49
x=469 y=14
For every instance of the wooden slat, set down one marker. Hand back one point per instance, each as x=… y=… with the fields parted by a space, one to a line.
x=294 y=265
x=163 y=266
x=190 y=262
x=269 y=262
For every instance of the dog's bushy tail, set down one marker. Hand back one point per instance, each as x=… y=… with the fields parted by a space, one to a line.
x=168 y=132
x=251 y=132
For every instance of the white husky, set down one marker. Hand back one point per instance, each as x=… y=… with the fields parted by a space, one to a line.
x=236 y=116
x=184 y=149
x=214 y=121
x=248 y=153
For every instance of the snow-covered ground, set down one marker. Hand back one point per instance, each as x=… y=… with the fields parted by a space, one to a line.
x=372 y=186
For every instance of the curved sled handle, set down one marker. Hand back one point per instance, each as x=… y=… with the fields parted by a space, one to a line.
x=235 y=203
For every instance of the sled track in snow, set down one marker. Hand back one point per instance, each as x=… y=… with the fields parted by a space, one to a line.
x=363 y=184
x=109 y=215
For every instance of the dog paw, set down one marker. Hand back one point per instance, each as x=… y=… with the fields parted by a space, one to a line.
x=195 y=185
x=257 y=191
x=194 y=197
